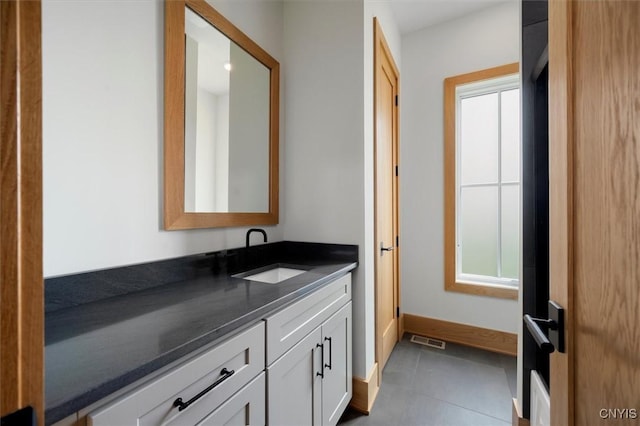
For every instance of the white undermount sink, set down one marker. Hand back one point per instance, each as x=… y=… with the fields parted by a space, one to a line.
x=275 y=275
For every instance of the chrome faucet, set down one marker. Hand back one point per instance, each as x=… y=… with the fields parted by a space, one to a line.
x=264 y=234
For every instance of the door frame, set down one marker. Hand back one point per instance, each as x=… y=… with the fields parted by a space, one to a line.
x=561 y=131
x=381 y=47
x=21 y=278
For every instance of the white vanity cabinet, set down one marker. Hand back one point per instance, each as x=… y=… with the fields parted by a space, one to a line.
x=305 y=347
x=205 y=384
x=310 y=384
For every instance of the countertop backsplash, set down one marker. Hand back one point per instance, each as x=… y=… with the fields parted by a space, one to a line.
x=77 y=289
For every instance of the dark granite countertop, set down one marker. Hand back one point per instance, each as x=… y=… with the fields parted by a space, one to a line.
x=111 y=338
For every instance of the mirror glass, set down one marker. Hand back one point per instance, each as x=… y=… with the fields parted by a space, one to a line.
x=226 y=131
x=221 y=122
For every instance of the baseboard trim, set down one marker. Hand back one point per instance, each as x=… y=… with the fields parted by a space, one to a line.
x=483 y=338
x=516 y=418
x=365 y=391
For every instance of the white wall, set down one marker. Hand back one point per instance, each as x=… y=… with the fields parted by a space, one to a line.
x=102 y=132
x=324 y=159
x=481 y=40
x=328 y=77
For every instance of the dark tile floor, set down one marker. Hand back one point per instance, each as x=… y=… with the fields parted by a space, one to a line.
x=457 y=386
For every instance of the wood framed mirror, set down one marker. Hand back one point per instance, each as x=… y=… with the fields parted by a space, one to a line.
x=221 y=122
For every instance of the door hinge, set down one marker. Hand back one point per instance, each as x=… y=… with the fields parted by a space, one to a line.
x=396 y=170
x=397 y=241
x=397 y=311
x=396 y=100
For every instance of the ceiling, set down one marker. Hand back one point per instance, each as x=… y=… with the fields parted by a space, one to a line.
x=412 y=15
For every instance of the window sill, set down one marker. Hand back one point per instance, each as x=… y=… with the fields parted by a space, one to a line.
x=501 y=292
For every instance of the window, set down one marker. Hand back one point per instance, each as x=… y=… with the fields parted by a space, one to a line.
x=482 y=182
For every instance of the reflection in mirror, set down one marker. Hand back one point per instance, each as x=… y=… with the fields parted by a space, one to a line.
x=226 y=123
x=221 y=122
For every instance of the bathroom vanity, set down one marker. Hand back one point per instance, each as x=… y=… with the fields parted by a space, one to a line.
x=208 y=345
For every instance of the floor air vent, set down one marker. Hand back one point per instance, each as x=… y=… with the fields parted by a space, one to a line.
x=428 y=341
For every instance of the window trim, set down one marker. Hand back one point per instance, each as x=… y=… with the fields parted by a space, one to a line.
x=450 y=220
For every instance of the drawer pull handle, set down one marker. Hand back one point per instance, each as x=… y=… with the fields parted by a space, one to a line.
x=330 y=353
x=321 y=346
x=225 y=374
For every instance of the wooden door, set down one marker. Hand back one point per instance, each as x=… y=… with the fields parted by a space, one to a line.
x=21 y=284
x=594 y=208
x=386 y=198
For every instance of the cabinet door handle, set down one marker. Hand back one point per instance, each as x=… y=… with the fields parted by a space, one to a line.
x=184 y=405
x=330 y=353
x=321 y=346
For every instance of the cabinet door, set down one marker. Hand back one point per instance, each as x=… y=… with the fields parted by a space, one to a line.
x=294 y=387
x=294 y=322
x=247 y=407
x=337 y=381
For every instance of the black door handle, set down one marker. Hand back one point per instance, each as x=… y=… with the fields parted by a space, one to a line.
x=555 y=325
x=330 y=353
x=534 y=326
x=383 y=248
x=321 y=373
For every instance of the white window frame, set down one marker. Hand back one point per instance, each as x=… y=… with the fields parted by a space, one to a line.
x=464 y=91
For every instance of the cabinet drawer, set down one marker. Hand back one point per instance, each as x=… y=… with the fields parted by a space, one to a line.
x=290 y=325
x=247 y=407
x=152 y=402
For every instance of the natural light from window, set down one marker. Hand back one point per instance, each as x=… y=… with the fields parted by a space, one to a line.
x=483 y=166
x=488 y=177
